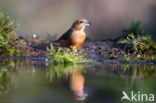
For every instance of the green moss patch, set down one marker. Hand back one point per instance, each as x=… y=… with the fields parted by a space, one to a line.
x=66 y=55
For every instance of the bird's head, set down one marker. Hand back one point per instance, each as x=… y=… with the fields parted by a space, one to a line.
x=80 y=24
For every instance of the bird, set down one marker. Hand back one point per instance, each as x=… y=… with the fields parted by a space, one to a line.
x=76 y=35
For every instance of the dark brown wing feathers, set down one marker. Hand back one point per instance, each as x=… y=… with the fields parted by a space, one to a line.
x=66 y=35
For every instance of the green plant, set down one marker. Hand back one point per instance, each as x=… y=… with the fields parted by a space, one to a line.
x=134 y=28
x=7 y=26
x=8 y=50
x=127 y=58
x=7 y=36
x=140 y=45
x=65 y=55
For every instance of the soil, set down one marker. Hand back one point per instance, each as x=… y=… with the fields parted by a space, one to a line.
x=94 y=50
x=99 y=51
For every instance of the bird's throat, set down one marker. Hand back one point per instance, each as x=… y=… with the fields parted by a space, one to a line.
x=79 y=28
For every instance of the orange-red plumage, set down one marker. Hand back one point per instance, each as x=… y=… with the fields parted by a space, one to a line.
x=76 y=35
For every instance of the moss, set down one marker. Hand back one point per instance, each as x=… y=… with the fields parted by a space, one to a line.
x=127 y=58
x=66 y=55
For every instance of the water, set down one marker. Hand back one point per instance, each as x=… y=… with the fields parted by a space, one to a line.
x=32 y=81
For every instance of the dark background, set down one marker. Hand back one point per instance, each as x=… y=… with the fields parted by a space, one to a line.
x=53 y=17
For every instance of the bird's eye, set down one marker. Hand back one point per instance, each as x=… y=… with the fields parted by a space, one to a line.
x=81 y=21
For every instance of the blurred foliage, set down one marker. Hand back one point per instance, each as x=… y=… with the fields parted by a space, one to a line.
x=137 y=45
x=134 y=28
x=6 y=25
x=8 y=50
x=66 y=55
x=7 y=36
x=127 y=58
x=7 y=28
x=153 y=58
x=140 y=48
x=142 y=44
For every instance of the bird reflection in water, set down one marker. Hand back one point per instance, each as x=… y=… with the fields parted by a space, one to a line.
x=77 y=82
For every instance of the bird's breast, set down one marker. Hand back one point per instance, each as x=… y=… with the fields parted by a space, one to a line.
x=77 y=38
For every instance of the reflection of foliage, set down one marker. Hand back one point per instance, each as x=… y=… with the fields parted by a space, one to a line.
x=139 y=71
x=135 y=73
x=11 y=64
x=4 y=78
x=65 y=55
x=5 y=74
x=62 y=71
x=7 y=36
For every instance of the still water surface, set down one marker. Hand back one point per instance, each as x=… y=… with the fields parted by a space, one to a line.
x=32 y=81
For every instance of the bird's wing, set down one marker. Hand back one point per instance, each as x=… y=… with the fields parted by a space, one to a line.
x=66 y=35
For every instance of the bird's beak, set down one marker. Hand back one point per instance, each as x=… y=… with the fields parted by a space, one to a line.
x=88 y=24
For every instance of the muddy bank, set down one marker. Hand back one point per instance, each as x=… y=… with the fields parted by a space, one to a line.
x=95 y=50
x=99 y=51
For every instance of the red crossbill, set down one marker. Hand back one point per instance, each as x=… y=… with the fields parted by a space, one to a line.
x=76 y=35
